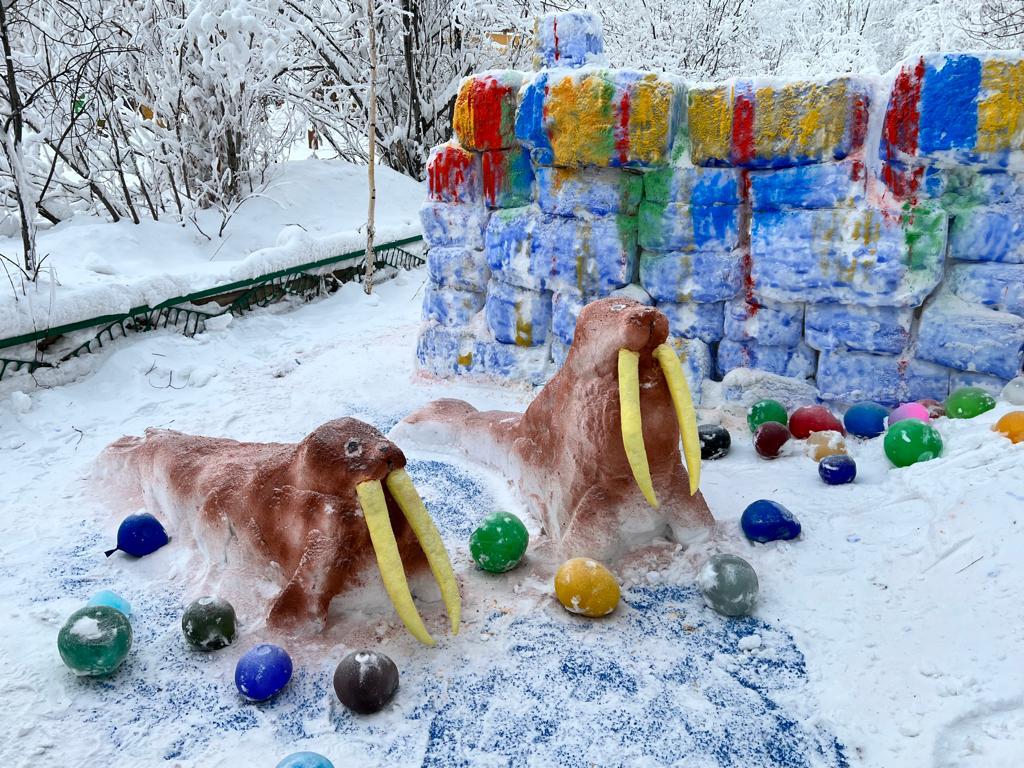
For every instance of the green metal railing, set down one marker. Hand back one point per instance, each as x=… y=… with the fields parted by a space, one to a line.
x=305 y=280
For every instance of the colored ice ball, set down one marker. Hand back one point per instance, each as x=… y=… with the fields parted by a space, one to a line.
x=822 y=444
x=209 y=624
x=112 y=599
x=499 y=542
x=866 y=419
x=728 y=584
x=263 y=672
x=305 y=760
x=95 y=640
x=910 y=441
x=365 y=681
x=909 y=411
x=765 y=520
x=968 y=402
x=714 y=441
x=813 y=418
x=766 y=410
x=769 y=439
x=586 y=587
x=1012 y=426
x=139 y=535
x=934 y=407
x=1013 y=392
x=837 y=470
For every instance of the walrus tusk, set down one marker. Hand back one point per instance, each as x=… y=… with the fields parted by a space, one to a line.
x=685 y=413
x=404 y=492
x=632 y=427
x=375 y=512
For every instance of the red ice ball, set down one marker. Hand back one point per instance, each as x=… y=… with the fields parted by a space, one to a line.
x=813 y=418
x=769 y=439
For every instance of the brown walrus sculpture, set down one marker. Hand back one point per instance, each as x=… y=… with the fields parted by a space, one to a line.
x=596 y=454
x=320 y=509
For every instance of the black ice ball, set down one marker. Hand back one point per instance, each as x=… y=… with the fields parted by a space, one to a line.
x=714 y=441
x=366 y=681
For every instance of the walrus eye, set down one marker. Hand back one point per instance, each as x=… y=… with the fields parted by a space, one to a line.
x=353 y=448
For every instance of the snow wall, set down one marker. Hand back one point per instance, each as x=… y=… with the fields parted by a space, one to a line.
x=866 y=234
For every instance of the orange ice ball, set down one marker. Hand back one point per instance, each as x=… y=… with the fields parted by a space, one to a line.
x=1012 y=425
x=827 y=443
x=586 y=587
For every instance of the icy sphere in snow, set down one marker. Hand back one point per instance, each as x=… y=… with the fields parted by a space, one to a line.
x=365 y=681
x=714 y=441
x=822 y=444
x=729 y=585
x=113 y=600
x=95 y=640
x=909 y=411
x=769 y=439
x=765 y=520
x=305 y=760
x=813 y=418
x=499 y=543
x=866 y=419
x=1012 y=426
x=209 y=624
x=766 y=410
x=968 y=402
x=586 y=587
x=1013 y=392
x=911 y=441
x=263 y=672
x=139 y=535
x=837 y=469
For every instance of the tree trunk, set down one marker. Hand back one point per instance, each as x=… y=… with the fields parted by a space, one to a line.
x=372 y=130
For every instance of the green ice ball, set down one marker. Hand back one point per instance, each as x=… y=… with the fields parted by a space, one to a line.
x=209 y=624
x=968 y=402
x=910 y=441
x=766 y=410
x=95 y=640
x=499 y=543
x=728 y=584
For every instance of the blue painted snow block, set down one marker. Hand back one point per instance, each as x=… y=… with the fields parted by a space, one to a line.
x=566 y=306
x=825 y=185
x=868 y=329
x=685 y=227
x=991 y=384
x=600 y=191
x=454 y=266
x=692 y=185
x=513 y=362
x=795 y=362
x=848 y=255
x=517 y=315
x=697 y=361
x=691 y=320
x=559 y=351
x=568 y=39
x=837 y=470
x=680 y=277
x=593 y=255
x=969 y=337
x=446 y=351
x=765 y=520
x=994 y=233
x=508 y=244
x=769 y=324
x=997 y=286
x=866 y=419
x=968 y=187
x=949 y=107
x=846 y=376
x=451 y=307
x=453 y=224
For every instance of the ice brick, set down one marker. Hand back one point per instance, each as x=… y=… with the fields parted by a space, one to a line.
x=691 y=320
x=796 y=362
x=771 y=325
x=991 y=384
x=514 y=362
x=453 y=175
x=507 y=177
x=453 y=224
x=517 y=315
x=868 y=329
x=448 y=352
x=999 y=286
x=967 y=187
x=485 y=110
x=693 y=185
x=509 y=247
x=993 y=233
x=601 y=191
x=704 y=276
x=593 y=254
x=682 y=227
x=969 y=337
x=848 y=376
x=848 y=256
x=450 y=307
x=565 y=309
x=454 y=266
x=444 y=351
x=568 y=39
x=825 y=185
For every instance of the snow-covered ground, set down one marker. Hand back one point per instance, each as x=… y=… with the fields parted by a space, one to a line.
x=888 y=635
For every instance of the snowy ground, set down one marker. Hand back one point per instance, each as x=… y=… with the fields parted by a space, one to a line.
x=889 y=635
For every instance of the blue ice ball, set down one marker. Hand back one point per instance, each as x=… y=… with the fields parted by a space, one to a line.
x=837 y=470
x=866 y=419
x=766 y=521
x=305 y=760
x=139 y=535
x=263 y=671
x=111 y=599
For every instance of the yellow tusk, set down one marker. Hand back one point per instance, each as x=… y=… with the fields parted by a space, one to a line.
x=685 y=413
x=401 y=487
x=632 y=427
x=378 y=521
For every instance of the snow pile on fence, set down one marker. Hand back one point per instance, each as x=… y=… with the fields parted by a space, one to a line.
x=863 y=234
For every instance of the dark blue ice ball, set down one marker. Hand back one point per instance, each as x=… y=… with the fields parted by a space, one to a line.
x=766 y=520
x=139 y=535
x=837 y=470
x=866 y=419
x=263 y=671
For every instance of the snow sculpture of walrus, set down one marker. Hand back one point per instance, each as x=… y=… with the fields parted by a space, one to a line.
x=596 y=453
x=318 y=508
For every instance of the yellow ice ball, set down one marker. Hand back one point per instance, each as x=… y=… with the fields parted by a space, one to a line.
x=586 y=587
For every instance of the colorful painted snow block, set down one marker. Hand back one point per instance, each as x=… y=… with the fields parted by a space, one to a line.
x=969 y=337
x=453 y=175
x=508 y=244
x=847 y=376
x=517 y=315
x=695 y=321
x=825 y=185
x=507 y=177
x=601 y=191
x=453 y=224
x=450 y=307
x=698 y=364
x=991 y=384
x=683 y=227
x=988 y=234
x=592 y=255
x=868 y=329
x=680 y=277
x=568 y=39
x=600 y=117
x=997 y=286
x=566 y=306
x=454 y=266
x=795 y=362
x=968 y=187
x=848 y=256
x=514 y=362
x=485 y=110
x=445 y=351
x=693 y=185
x=772 y=325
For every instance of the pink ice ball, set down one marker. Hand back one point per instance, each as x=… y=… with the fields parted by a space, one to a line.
x=909 y=411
